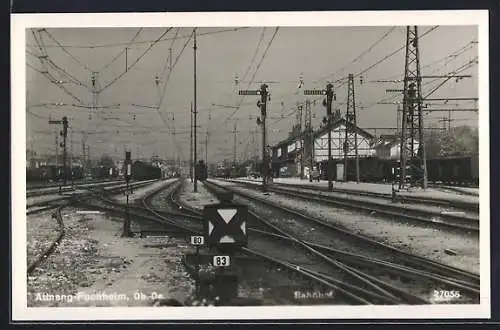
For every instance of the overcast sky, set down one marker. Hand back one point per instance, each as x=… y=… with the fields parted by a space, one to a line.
x=317 y=54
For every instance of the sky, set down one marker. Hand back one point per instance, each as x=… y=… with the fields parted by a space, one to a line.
x=287 y=59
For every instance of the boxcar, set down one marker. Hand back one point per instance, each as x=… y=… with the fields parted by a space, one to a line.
x=145 y=171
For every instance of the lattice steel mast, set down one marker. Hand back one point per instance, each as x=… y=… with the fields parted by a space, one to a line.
x=412 y=117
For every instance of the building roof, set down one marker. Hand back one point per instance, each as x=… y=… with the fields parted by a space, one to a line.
x=340 y=122
x=323 y=130
x=387 y=140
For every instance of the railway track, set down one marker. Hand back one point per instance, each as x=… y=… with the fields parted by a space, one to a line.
x=47 y=252
x=432 y=217
x=453 y=189
x=368 y=288
x=362 y=288
x=411 y=265
x=354 y=293
x=30 y=187
x=65 y=189
x=57 y=215
x=456 y=204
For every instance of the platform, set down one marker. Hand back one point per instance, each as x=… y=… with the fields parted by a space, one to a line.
x=381 y=188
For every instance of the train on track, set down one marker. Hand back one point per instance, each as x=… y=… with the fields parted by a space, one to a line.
x=459 y=170
x=52 y=173
x=145 y=171
x=46 y=174
x=201 y=171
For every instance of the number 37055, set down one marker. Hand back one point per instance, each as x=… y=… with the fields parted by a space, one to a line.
x=444 y=295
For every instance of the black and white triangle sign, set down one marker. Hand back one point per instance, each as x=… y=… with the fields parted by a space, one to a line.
x=227 y=214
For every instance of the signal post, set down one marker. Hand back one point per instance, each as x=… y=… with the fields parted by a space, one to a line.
x=330 y=96
x=261 y=121
x=128 y=175
x=224 y=234
x=64 y=134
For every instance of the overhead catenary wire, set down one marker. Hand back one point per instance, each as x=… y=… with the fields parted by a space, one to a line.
x=454 y=55
x=254 y=54
x=343 y=80
x=135 y=62
x=142 y=42
x=117 y=56
x=58 y=68
x=393 y=97
x=66 y=51
x=168 y=59
x=369 y=49
x=254 y=74
x=54 y=81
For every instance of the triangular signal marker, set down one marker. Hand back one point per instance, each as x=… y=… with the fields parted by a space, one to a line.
x=227 y=214
x=226 y=239
x=243 y=229
x=210 y=228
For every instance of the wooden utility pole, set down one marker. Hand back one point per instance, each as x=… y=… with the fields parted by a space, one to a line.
x=191 y=146
x=234 y=142
x=195 y=112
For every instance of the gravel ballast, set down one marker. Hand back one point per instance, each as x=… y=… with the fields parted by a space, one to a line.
x=94 y=266
x=427 y=242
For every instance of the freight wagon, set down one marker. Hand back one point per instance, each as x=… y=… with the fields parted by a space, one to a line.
x=459 y=170
x=145 y=171
x=52 y=173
